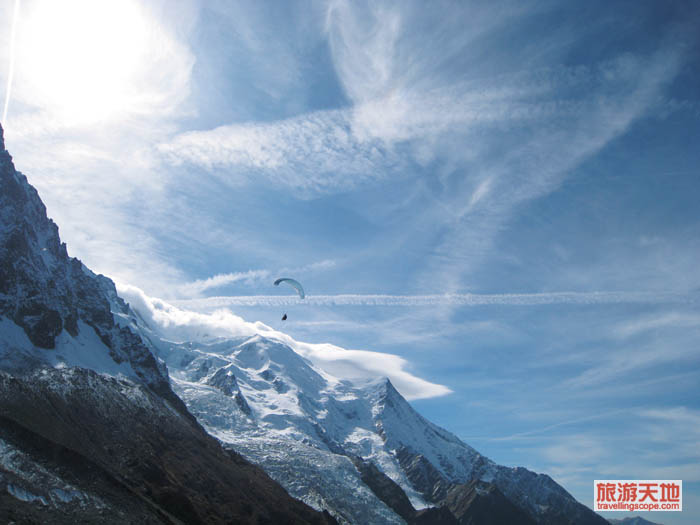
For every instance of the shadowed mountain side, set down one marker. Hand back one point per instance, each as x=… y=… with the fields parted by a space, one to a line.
x=139 y=448
x=393 y=495
x=69 y=487
x=480 y=503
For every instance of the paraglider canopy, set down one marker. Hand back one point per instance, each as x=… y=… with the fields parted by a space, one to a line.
x=291 y=282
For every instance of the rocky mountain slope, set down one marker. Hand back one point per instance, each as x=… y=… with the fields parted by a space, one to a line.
x=90 y=429
x=478 y=502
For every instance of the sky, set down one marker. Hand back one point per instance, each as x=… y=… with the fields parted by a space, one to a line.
x=492 y=203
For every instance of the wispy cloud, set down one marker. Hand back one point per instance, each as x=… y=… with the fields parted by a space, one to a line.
x=536 y=435
x=336 y=150
x=665 y=441
x=679 y=416
x=195 y=288
x=669 y=320
x=622 y=358
x=250 y=277
x=501 y=136
x=313 y=153
x=535 y=165
x=589 y=449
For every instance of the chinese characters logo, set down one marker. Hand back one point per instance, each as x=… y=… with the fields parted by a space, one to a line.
x=630 y=495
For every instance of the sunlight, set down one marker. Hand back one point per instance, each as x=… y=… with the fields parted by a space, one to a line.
x=80 y=59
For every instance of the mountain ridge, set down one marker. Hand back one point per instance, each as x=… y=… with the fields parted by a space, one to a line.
x=92 y=431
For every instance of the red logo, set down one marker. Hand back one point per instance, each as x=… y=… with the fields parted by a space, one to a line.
x=631 y=495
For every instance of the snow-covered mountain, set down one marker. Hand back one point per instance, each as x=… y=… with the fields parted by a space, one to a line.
x=90 y=429
x=322 y=437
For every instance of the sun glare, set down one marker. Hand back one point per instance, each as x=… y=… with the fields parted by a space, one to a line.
x=80 y=59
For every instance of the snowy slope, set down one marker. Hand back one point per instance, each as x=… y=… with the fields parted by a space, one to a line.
x=281 y=411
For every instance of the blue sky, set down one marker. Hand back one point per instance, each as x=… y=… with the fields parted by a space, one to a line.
x=524 y=176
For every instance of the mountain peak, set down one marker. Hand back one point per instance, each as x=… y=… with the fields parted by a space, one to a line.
x=259 y=352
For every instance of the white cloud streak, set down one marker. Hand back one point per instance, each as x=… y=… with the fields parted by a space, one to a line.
x=222 y=279
x=532 y=299
x=546 y=430
x=250 y=277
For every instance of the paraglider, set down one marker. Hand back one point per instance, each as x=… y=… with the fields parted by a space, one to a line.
x=291 y=282
x=294 y=284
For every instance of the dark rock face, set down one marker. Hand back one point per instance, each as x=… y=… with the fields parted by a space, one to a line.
x=126 y=455
x=45 y=482
x=395 y=498
x=481 y=503
x=225 y=381
x=434 y=516
x=385 y=488
x=423 y=475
